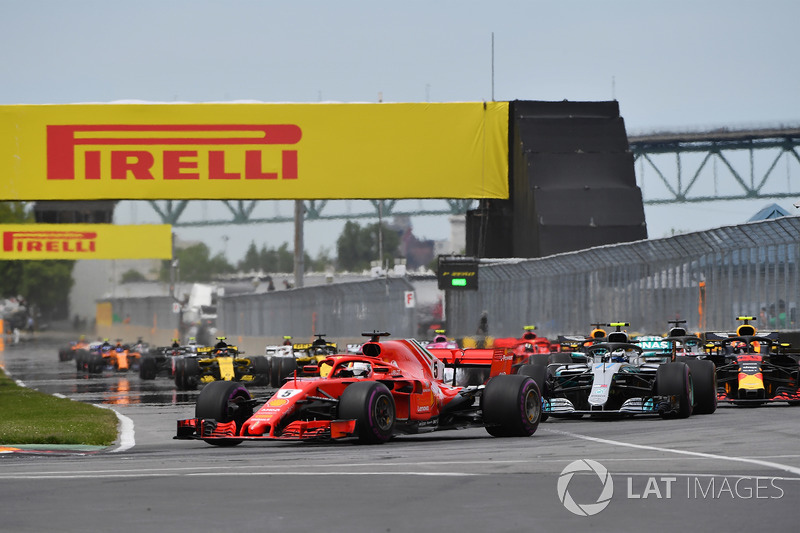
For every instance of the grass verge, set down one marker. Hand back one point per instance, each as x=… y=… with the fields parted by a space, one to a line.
x=28 y=416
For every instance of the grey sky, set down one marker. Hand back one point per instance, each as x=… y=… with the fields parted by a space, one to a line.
x=671 y=65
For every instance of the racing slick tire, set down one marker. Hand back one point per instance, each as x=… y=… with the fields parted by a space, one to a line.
x=80 y=360
x=281 y=368
x=512 y=406
x=261 y=368
x=560 y=358
x=371 y=405
x=95 y=363
x=675 y=379
x=539 y=375
x=539 y=359
x=186 y=372
x=704 y=379
x=64 y=353
x=224 y=401
x=275 y=370
x=148 y=368
x=179 y=373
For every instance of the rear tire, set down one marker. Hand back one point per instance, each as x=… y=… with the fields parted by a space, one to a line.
x=282 y=367
x=186 y=372
x=371 y=405
x=560 y=358
x=512 y=406
x=80 y=360
x=148 y=368
x=95 y=363
x=539 y=359
x=675 y=379
x=261 y=369
x=224 y=401
x=704 y=379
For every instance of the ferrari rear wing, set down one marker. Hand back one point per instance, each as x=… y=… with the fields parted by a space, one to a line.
x=498 y=360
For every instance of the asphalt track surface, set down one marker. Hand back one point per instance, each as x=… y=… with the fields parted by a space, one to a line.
x=735 y=470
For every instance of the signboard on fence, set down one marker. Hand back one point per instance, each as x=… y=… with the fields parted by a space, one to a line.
x=85 y=241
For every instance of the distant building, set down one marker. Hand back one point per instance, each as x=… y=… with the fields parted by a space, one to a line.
x=771 y=211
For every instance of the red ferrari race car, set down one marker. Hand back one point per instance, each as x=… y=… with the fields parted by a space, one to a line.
x=473 y=366
x=392 y=387
x=753 y=369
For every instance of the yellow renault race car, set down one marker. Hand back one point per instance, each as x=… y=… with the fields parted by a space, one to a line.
x=303 y=355
x=221 y=362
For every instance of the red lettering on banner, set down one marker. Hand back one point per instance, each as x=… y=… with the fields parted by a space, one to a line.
x=216 y=167
x=138 y=163
x=252 y=167
x=290 y=164
x=174 y=163
x=92 y=160
x=49 y=241
x=64 y=141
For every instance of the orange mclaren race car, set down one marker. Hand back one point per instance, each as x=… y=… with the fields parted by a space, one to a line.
x=753 y=369
x=100 y=356
x=392 y=387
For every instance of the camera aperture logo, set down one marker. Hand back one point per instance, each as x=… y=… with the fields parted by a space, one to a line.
x=585 y=509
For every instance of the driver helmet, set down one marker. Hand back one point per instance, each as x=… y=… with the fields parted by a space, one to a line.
x=361 y=370
x=619 y=356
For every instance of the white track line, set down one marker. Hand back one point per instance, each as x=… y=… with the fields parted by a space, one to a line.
x=768 y=464
x=126 y=433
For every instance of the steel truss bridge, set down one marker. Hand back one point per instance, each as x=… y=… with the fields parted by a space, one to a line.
x=671 y=167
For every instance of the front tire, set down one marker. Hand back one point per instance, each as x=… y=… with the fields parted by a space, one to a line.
x=704 y=379
x=371 y=405
x=512 y=406
x=539 y=374
x=224 y=401
x=675 y=379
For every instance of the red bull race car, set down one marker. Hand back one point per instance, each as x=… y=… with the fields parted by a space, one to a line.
x=752 y=368
x=392 y=387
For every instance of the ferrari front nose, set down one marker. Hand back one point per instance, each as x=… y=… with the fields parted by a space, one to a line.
x=256 y=427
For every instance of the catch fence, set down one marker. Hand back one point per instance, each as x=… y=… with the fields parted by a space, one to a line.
x=707 y=278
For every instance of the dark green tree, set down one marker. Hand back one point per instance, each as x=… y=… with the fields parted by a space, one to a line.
x=44 y=285
x=357 y=247
x=132 y=276
x=196 y=264
x=252 y=259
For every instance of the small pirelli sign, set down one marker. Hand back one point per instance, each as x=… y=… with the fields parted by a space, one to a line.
x=85 y=241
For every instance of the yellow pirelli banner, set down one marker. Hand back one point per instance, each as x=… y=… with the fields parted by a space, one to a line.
x=85 y=241
x=254 y=151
